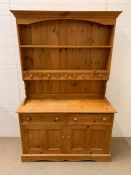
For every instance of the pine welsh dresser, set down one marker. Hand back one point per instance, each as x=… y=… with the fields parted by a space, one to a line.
x=65 y=62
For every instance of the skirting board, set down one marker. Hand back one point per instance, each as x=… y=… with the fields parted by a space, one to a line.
x=68 y=157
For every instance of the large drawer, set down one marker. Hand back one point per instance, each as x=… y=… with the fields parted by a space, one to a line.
x=43 y=118
x=93 y=118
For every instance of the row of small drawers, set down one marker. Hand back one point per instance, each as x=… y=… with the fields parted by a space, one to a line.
x=81 y=118
x=65 y=76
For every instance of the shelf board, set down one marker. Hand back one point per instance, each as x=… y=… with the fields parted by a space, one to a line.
x=66 y=106
x=65 y=71
x=64 y=46
x=65 y=75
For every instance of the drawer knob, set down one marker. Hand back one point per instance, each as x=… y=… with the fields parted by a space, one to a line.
x=28 y=118
x=75 y=119
x=104 y=119
x=63 y=137
x=56 y=119
x=68 y=137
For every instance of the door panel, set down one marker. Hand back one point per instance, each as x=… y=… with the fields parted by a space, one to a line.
x=88 y=138
x=99 y=138
x=41 y=138
x=77 y=138
x=54 y=139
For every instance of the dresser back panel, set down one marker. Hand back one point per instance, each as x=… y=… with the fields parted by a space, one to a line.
x=40 y=89
x=65 y=58
x=65 y=32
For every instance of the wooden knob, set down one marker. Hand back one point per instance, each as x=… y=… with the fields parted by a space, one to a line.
x=63 y=137
x=83 y=75
x=48 y=75
x=66 y=75
x=75 y=119
x=100 y=75
x=31 y=76
x=56 y=118
x=104 y=119
x=68 y=137
x=28 y=118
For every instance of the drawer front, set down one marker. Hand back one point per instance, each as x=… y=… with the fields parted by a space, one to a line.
x=43 y=118
x=91 y=118
x=68 y=118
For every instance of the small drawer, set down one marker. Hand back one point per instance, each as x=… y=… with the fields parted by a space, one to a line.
x=43 y=118
x=93 y=118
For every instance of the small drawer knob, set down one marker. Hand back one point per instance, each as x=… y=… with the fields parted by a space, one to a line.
x=63 y=137
x=28 y=118
x=104 y=119
x=68 y=137
x=75 y=119
x=83 y=75
x=56 y=118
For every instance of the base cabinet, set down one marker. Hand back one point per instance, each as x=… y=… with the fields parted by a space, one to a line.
x=60 y=135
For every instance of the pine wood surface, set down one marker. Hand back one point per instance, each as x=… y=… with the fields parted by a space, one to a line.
x=66 y=106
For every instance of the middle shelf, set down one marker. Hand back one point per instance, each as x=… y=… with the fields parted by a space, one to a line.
x=36 y=74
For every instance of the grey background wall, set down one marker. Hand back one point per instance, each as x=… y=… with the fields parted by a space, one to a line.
x=11 y=85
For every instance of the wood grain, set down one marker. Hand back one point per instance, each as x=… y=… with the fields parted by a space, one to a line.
x=66 y=106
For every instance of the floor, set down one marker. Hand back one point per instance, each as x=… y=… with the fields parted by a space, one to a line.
x=10 y=163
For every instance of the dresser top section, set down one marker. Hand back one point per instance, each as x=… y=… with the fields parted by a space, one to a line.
x=65 y=54
x=66 y=106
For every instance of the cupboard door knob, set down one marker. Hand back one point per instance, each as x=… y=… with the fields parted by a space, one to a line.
x=68 y=137
x=104 y=119
x=28 y=118
x=75 y=119
x=63 y=137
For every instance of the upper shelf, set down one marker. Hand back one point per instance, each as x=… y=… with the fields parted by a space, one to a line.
x=65 y=46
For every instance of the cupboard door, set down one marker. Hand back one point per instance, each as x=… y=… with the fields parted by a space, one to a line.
x=77 y=138
x=99 y=138
x=41 y=138
x=93 y=139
